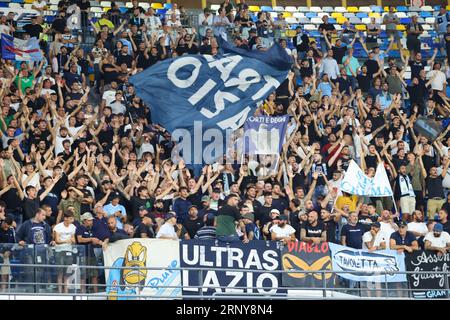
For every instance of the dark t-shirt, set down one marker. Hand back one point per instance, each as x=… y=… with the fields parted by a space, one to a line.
x=30 y=206
x=314 y=231
x=330 y=227
x=408 y=240
x=353 y=235
x=143 y=228
x=192 y=226
x=34 y=30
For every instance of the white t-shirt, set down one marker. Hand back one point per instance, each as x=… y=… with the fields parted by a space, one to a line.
x=446 y=180
x=45 y=91
x=167 y=230
x=438 y=82
x=420 y=227
x=65 y=233
x=59 y=143
x=283 y=232
x=440 y=242
x=379 y=238
x=386 y=230
x=33 y=182
x=109 y=96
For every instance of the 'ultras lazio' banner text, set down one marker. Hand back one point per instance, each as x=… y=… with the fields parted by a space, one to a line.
x=361 y=265
x=135 y=253
x=211 y=92
x=356 y=182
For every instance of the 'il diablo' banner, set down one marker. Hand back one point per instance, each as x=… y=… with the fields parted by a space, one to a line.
x=255 y=255
x=302 y=256
x=427 y=286
x=362 y=265
x=151 y=253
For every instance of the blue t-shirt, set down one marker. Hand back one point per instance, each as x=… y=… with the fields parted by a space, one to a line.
x=256 y=233
x=100 y=228
x=407 y=241
x=325 y=88
x=353 y=235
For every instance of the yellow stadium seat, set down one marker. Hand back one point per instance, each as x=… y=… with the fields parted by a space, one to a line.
x=336 y=15
x=157 y=5
x=341 y=20
x=374 y=15
x=401 y=27
x=254 y=8
x=291 y=33
x=360 y=27
x=29 y=1
x=386 y=9
x=352 y=9
x=287 y=14
x=447 y=7
x=106 y=9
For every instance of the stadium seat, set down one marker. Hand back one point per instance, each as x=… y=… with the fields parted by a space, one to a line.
x=402 y=9
x=106 y=9
x=311 y=15
x=214 y=7
x=414 y=9
x=167 y=6
x=298 y=15
x=310 y=27
x=426 y=27
x=401 y=27
x=278 y=9
x=365 y=20
x=316 y=20
x=386 y=9
x=405 y=20
x=447 y=7
x=337 y=15
x=349 y=15
x=352 y=9
x=332 y=20
x=291 y=20
x=360 y=27
x=401 y=15
x=266 y=8
x=3 y=4
x=17 y=1
x=315 y=9
x=144 y=5
x=157 y=5
x=254 y=8
x=430 y=20
x=104 y=4
x=376 y=9
x=340 y=9
x=290 y=9
x=303 y=20
x=362 y=15
x=28 y=6
x=341 y=20
x=426 y=8
x=426 y=14
x=161 y=12
x=53 y=7
x=287 y=14
x=354 y=20
x=374 y=15
x=365 y=9
x=322 y=14
x=328 y=9
x=15 y=5
x=54 y=2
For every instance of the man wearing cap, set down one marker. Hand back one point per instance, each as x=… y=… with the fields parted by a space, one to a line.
x=84 y=236
x=193 y=222
x=167 y=230
x=438 y=240
x=282 y=231
x=205 y=210
x=117 y=210
x=403 y=240
x=252 y=230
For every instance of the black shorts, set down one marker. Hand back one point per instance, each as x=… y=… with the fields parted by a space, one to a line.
x=64 y=258
x=420 y=201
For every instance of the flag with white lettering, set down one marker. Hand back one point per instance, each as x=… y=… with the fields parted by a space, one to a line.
x=20 y=50
x=208 y=95
x=264 y=134
x=356 y=182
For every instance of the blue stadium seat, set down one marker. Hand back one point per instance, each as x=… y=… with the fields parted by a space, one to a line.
x=405 y=20
x=437 y=8
x=402 y=9
x=311 y=15
x=17 y=1
x=362 y=15
x=376 y=9
x=161 y=12
x=332 y=20
x=266 y=8
x=426 y=14
x=49 y=19
x=167 y=6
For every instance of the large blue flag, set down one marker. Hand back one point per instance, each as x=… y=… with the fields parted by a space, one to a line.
x=264 y=134
x=20 y=50
x=207 y=95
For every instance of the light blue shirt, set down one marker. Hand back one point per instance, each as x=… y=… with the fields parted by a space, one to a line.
x=325 y=88
x=354 y=64
x=111 y=210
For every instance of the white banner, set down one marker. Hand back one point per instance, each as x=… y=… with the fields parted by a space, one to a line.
x=151 y=253
x=360 y=265
x=356 y=182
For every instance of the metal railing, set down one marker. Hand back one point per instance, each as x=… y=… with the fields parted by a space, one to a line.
x=32 y=272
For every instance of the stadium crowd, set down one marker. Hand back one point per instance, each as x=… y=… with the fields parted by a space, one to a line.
x=82 y=162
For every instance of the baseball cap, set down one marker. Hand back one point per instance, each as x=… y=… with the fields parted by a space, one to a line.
x=438 y=227
x=86 y=216
x=283 y=217
x=169 y=215
x=142 y=208
x=206 y=198
x=249 y=216
x=275 y=210
x=402 y=224
x=376 y=224
x=216 y=190
x=192 y=206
